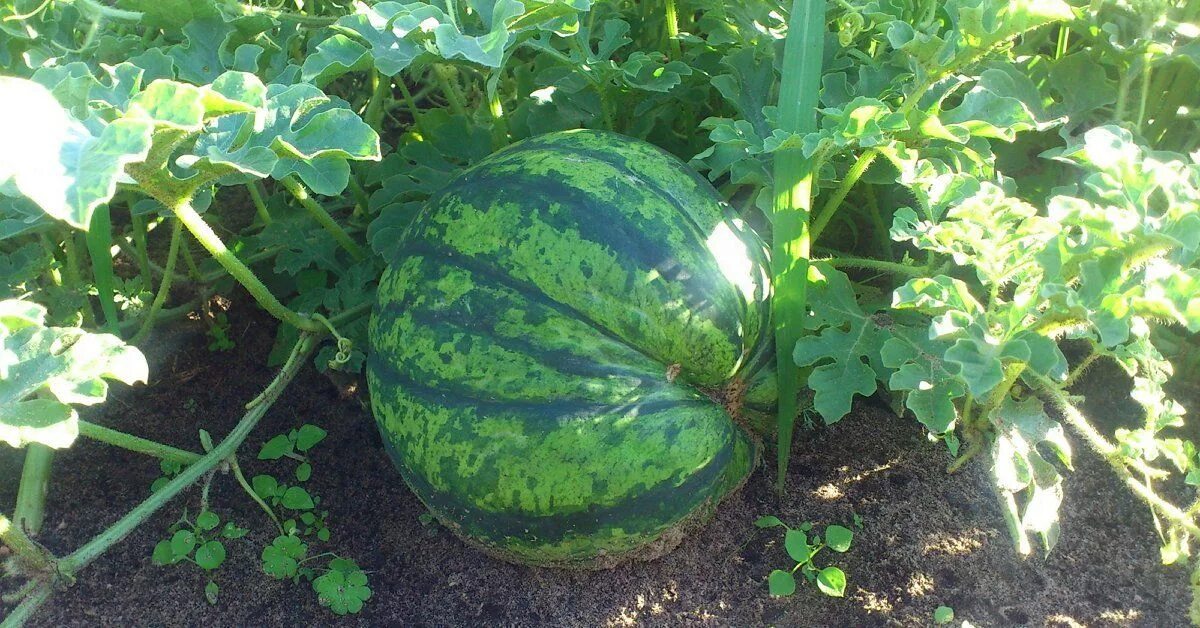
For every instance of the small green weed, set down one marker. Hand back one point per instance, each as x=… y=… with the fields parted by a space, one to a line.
x=340 y=585
x=803 y=545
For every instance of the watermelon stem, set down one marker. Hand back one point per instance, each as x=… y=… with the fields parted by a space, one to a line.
x=799 y=88
x=672 y=20
x=164 y=287
x=317 y=211
x=93 y=549
x=242 y=273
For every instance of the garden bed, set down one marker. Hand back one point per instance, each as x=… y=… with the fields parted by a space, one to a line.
x=927 y=539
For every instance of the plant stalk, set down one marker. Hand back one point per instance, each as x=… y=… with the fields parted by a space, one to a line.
x=213 y=244
x=92 y=550
x=99 y=244
x=831 y=206
x=671 y=17
x=32 y=555
x=300 y=193
x=136 y=444
x=260 y=205
x=164 y=287
x=30 y=511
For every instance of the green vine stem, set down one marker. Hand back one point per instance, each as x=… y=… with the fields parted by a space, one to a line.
x=73 y=278
x=1113 y=456
x=450 y=89
x=300 y=193
x=138 y=227
x=99 y=244
x=249 y=490
x=499 y=124
x=830 y=207
x=260 y=206
x=213 y=244
x=381 y=89
x=27 y=607
x=95 y=10
x=30 y=510
x=880 y=265
x=164 y=287
x=136 y=444
x=362 y=200
x=798 y=90
x=671 y=17
x=91 y=550
x=32 y=556
x=411 y=103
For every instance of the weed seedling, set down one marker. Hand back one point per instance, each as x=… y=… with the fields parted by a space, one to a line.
x=803 y=545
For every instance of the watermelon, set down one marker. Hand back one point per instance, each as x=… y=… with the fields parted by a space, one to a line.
x=556 y=344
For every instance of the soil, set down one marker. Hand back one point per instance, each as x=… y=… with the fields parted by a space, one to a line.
x=927 y=539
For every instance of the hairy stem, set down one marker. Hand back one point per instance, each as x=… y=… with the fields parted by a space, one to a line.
x=874 y=264
x=164 y=287
x=27 y=607
x=671 y=17
x=260 y=206
x=99 y=244
x=1119 y=463
x=30 y=510
x=317 y=211
x=92 y=550
x=211 y=242
x=136 y=443
x=831 y=206
x=31 y=555
x=450 y=89
x=381 y=90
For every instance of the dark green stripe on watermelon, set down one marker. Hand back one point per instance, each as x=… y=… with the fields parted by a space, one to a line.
x=536 y=345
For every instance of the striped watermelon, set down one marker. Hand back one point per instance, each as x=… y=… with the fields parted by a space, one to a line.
x=549 y=342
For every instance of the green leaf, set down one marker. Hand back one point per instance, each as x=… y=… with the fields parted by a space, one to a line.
x=265 y=486
x=282 y=557
x=832 y=581
x=930 y=390
x=296 y=498
x=45 y=369
x=845 y=337
x=231 y=531
x=645 y=72
x=1019 y=468
x=207 y=520
x=1002 y=103
x=980 y=359
x=210 y=555
x=170 y=14
x=182 y=544
x=769 y=521
x=838 y=538
x=303 y=472
x=276 y=448
x=211 y=592
x=163 y=554
x=308 y=436
x=796 y=544
x=985 y=23
x=343 y=588
x=943 y=615
x=57 y=162
x=781 y=583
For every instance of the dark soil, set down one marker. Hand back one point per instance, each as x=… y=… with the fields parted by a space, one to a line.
x=927 y=539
